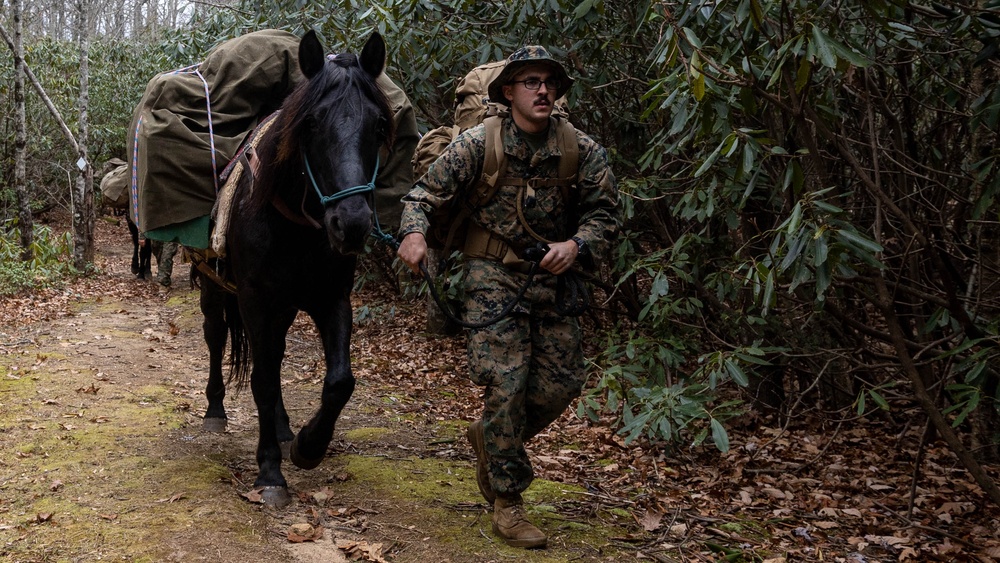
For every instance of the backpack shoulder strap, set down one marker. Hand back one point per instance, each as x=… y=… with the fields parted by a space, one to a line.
x=494 y=163
x=569 y=162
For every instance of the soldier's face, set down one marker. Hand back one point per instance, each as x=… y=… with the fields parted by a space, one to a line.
x=531 y=108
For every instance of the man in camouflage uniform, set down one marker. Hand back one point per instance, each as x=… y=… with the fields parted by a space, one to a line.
x=165 y=252
x=530 y=363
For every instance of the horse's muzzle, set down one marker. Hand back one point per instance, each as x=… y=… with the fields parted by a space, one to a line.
x=348 y=225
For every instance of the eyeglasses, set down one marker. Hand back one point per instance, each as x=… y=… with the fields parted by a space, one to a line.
x=535 y=84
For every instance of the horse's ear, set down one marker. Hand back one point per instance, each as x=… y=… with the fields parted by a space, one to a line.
x=311 y=58
x=373 y=55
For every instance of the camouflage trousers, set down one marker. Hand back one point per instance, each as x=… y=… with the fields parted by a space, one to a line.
x=164 y=252
x=530 y=365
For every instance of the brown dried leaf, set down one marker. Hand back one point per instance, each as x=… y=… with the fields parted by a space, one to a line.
x=254 y=496
x=176 y=497
x=361 y=550
x=302 y=532
x=651 y=520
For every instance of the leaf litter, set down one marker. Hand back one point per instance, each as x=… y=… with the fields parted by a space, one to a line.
x=799 y=493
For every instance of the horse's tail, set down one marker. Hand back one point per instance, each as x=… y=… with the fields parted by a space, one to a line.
x=239 y=345
x=239 y=349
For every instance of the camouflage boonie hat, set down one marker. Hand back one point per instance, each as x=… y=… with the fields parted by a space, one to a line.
x=529 y=55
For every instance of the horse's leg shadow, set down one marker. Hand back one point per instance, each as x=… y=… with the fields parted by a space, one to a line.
x=314 y=438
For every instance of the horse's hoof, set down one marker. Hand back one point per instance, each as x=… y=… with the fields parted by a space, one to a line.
x=300 y=461
x=286 y=450
x=214 y=424
x=276 y=497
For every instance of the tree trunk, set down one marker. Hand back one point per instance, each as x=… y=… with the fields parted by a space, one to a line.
x=137 y=19
x=83 y=194
x=21 y=141
x=152 y=20
x=982 y=478
x=41 y=92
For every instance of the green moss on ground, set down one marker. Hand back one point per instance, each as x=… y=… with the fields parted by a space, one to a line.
x=91 y=483
x=442 y=496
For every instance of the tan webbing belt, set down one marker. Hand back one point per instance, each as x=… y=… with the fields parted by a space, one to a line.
x=480 y=243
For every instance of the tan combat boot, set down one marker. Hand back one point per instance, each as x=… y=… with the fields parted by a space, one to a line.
x=475 y=435
x=511 y=523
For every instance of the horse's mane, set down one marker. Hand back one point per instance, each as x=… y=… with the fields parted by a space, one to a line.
x=279 y=149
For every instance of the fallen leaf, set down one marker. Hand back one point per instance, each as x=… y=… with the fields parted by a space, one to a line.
x=773 y=493
x=92 y=390
x=361 y=550
x=302 y=532
x=651 y=520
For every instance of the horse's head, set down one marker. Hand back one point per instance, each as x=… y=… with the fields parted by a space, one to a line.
x=333 y=126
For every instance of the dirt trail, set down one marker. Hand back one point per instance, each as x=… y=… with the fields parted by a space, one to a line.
x=104 y=456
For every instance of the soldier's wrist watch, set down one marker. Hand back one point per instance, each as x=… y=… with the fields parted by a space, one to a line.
x=581 y=245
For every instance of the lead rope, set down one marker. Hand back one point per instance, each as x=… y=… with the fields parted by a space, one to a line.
x=574 y=306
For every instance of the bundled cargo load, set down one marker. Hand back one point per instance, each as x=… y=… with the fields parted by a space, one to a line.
x=191 y=122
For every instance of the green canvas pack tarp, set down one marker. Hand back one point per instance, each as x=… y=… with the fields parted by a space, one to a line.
x=115 y=181
x=171 y=138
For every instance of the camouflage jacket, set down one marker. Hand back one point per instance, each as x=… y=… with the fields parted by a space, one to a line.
x=458 y=169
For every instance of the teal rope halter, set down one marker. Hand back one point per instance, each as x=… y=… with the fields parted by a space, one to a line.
x=327 y=199
x=377 y=231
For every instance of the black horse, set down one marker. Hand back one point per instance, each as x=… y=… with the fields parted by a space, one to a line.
x=293 y=241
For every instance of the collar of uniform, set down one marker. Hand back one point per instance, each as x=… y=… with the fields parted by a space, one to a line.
x=516 y=147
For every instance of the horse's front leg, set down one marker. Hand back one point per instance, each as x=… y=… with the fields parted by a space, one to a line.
x=267 y=344
x=334 y=326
